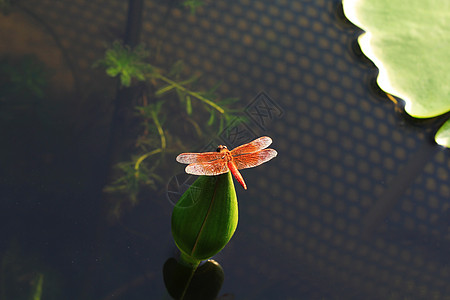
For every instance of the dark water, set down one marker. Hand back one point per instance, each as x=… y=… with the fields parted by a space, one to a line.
x=355 y=206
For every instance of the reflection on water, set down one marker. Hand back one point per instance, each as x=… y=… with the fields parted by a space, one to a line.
x=183 y=282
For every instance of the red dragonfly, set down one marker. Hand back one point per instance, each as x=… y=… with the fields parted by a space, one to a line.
x=215 y=163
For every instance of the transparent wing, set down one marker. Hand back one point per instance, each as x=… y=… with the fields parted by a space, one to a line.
x=189 y=158
x=258 y=144
x=254 y=159
x=207 y=168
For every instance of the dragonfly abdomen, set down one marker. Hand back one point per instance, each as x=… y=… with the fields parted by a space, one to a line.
x=236 y=174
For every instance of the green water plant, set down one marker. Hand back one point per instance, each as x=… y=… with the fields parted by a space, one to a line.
x=201 y=111
x=23 y=275
x=127 y=63
x=22 y=78
x=408 y=41
x=193 y=5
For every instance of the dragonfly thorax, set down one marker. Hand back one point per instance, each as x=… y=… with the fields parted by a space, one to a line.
x=226 y=153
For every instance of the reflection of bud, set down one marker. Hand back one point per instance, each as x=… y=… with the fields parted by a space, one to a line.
x=205 y=217
x=182 y=282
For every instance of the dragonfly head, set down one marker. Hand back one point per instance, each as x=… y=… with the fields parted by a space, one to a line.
x=221 y=148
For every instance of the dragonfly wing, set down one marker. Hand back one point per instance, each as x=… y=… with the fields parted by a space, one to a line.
x=207 y=168
x=189 y=158
x=254 y=159
x=258 y=144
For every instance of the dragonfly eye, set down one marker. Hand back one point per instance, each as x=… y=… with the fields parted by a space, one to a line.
x=220 y=148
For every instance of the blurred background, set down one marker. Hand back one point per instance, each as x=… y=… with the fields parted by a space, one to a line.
x=98 y=97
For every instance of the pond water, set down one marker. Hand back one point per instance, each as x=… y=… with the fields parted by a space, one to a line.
x=355 y=205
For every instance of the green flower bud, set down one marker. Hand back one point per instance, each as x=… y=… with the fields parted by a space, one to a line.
x=205 y=218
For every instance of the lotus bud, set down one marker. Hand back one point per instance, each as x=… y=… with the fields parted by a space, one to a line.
x=205 y=218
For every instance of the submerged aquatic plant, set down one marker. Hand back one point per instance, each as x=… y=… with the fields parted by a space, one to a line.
x=24 y=78
x=164 y=95
x=193 y=5
x=126 y=63
x=24 y=276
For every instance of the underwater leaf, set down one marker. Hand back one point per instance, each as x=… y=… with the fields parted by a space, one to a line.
x=211 y=93
x=113 y=71
x=140 y=76
x=176 y=69
x=37 y=286
x=409 y=42
x=192 y=5
x=188 y=105
x=205 y=217
x=24 y=78
x=443 y=135
x=189 y=80
x=164 y=89
x=125 y=79
x=221 y=125
x=211 y=117
x=126 y=62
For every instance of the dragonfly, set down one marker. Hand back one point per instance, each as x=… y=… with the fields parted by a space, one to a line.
x=223 y=160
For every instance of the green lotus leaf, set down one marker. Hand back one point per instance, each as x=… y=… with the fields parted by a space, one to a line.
x=443 y=135
x=409 y=42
